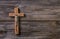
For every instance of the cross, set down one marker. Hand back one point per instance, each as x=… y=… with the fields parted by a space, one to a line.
x=16 y=14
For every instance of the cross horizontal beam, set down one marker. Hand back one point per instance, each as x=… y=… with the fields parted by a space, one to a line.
x=19 y=14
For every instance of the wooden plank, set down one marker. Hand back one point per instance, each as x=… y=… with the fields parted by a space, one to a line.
x=40 y=17
x=34 y=17
x=33 y=26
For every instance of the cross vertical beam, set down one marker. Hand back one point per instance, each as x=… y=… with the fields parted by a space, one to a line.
x=16 y=14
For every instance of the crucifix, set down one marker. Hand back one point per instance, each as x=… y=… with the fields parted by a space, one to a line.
x=17 y=14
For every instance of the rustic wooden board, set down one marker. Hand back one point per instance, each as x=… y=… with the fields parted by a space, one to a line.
x=29 y=29
x=41 y=19
x=31 y=11
x=29 y=26
x=34 y=15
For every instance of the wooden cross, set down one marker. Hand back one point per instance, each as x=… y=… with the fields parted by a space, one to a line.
x=16 y=14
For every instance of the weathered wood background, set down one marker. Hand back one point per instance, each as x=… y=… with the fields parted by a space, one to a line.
x=41 y=21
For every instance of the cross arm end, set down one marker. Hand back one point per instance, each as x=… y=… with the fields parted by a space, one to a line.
x=11 y=14
x=21 y=14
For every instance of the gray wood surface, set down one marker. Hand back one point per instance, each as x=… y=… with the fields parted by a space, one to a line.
x=41 y=21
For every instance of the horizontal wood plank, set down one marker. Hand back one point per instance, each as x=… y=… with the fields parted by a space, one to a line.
x=34 y=17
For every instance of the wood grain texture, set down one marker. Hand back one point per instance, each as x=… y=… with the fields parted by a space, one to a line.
x=41 y=21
